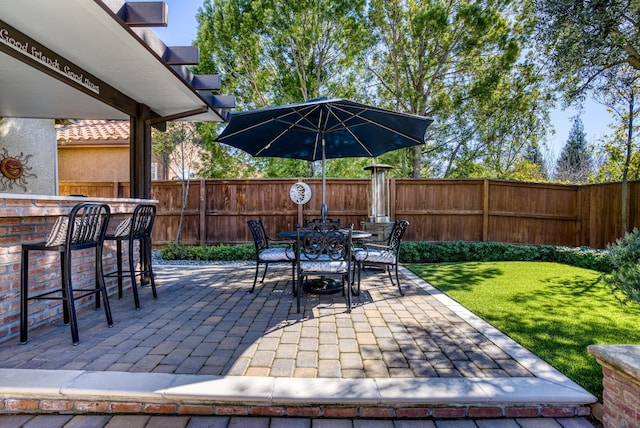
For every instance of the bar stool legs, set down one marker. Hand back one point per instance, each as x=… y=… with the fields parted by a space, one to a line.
x=138 y=227
x=83 y=229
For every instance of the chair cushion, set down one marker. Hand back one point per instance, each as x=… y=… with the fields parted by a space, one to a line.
x=123 y=228
x=58 y=234
x=277 y=255
x=374 y=256
x=338 y=266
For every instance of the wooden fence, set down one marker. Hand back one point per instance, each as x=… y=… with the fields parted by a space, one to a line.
x=438 y=210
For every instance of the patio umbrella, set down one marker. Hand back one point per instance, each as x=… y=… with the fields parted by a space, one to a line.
x=323 y=129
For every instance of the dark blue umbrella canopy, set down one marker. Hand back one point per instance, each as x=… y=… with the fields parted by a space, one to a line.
x=323 y=129
x=348 y=129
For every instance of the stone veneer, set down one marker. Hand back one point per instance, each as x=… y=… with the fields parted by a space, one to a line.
x=621 y=381
x=33 y=142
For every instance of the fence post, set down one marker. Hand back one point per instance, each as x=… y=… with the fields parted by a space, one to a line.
x=485 y=210
x=203 y=219
x=580 y=215
x=392 y=197
x=300 y=210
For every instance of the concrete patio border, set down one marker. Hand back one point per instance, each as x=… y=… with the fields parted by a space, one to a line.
x=549 y=393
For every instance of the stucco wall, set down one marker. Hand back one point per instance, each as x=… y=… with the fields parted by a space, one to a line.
x=93 y=163
x=33 y=143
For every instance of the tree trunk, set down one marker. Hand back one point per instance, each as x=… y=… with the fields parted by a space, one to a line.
x=184 y=180
x=627 y=161
x=417 y=161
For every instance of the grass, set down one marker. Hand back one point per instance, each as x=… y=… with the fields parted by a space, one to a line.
x=554 y=310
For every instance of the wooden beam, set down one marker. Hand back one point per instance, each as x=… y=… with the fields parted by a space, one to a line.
x=209 y=82
x=219 y=101
x=145 y=14
x=182 y=55
x=140 y=154
x=160 y=119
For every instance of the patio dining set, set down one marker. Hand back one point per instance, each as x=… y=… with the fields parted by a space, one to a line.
x=324 y=248
x=318 y=252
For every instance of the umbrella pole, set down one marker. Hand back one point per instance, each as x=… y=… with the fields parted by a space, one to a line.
x=324 y=209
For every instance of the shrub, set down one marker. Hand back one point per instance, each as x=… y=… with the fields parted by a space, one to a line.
x=173 y=251
x=426 y=252
x=461 y=251
x=624 y=279
x=224 y=252
x=584 y=257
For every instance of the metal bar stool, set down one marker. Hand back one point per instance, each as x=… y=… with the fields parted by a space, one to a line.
x=82 y=229
x=137 y=227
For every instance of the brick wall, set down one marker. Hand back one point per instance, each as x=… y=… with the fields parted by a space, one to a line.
x=621 y=399
x=621 y=382
x=29 y=221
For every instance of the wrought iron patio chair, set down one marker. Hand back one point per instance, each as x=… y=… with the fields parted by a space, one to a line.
x=267 y=253
x=323 y=250
x=318 y=221
x=386 y=255
x=137 y=227
x=84 y=228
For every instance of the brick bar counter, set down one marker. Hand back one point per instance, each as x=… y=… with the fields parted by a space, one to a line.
x=29 y=218
x=621 y=381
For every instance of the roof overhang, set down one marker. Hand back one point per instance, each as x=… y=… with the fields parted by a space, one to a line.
x=77 y=59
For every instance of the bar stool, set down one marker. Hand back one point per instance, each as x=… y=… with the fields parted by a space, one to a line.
x=83 y=228
x=137 y=227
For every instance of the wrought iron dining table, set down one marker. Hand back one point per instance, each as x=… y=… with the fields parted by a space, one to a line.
x=323 y=285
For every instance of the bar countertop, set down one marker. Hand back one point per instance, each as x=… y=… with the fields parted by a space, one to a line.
x=26 y=205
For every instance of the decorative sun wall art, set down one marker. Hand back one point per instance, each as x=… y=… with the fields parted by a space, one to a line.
x=14 y=170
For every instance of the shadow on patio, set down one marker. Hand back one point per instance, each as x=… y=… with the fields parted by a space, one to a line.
x=210 y=343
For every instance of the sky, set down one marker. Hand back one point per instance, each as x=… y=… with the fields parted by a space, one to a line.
x=182 y=28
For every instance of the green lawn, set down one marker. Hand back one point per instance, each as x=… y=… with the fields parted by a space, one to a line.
x=553 y=310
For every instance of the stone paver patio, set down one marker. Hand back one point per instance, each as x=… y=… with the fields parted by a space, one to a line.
x=421 y=355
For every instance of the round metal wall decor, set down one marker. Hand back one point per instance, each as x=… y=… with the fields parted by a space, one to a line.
x=11 y=168
x=300 y=193
x=14 y=170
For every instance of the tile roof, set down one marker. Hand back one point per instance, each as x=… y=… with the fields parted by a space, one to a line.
x=95 y=130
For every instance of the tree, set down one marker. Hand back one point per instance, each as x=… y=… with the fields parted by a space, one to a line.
x=623 y=163
x=462 y=63
x=574 y=163
x=183 y=161
x=586 y=39
x=222 y=161
x=535 y=158
x=593 y=46
x=276 y=51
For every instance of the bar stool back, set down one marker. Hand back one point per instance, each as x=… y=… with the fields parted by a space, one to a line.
x=137 y=227
x=83 y=228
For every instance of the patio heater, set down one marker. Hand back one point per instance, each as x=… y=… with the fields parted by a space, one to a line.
x=379 y=223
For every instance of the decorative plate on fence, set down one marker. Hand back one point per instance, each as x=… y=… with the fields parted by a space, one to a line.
x=300 y=193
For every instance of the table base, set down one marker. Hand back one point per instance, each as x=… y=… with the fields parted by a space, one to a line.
x=322 y=286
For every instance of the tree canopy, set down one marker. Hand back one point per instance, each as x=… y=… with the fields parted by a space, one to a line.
x=585 y=39
x=483 y=70
x=461 y=62
x=575 y=163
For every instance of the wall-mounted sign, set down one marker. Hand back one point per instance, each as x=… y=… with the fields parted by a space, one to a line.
x=23 y=48
x=29 y=48
x=300 y=193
